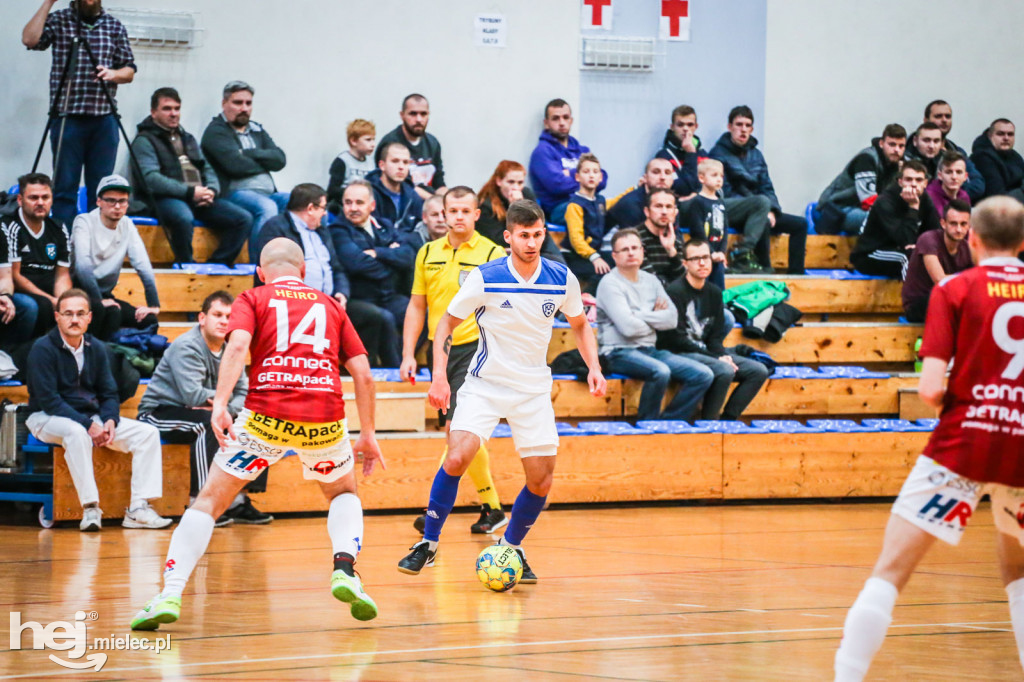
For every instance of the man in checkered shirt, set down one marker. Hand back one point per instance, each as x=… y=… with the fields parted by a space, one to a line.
x=90 y=128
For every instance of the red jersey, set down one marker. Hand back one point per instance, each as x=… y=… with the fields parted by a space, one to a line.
x=976 y=318
x=299 y=338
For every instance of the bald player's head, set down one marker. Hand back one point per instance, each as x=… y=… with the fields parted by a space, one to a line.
x=281 y=257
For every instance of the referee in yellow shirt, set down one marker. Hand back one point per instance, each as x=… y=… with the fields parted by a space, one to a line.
x=441 y=267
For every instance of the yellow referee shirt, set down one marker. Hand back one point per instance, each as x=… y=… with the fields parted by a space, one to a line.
x=441 y=270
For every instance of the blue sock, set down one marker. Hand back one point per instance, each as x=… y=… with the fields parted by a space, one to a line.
x=524 y=514
x=442 y=499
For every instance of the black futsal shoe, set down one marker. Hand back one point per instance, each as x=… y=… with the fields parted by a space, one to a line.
x=420 y=556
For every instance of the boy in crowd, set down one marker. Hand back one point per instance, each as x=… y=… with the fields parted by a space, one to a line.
x=949 y=181
x=938 y=253
x=355 y=163
x=705 y=217
x=681 y=148
x=584 y=221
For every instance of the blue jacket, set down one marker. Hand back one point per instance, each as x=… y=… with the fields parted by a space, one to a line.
x=548 y=162
x=412 y=205
x=684 y=163
x=56 y=387
x=282 y=225
x=746 y=171
x=373 y=279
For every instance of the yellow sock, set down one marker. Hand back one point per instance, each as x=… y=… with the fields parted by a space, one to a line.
x=480 y=471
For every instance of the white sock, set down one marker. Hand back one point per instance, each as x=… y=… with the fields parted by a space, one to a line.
x=503 y=541
x=188 y=544
x=864 y=630
x=1015 y=590
x=345 y=524
x=136 y=505
x=239 y=500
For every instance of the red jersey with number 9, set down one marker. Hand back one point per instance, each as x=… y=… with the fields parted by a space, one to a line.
x=976 y=318
x=299 y=337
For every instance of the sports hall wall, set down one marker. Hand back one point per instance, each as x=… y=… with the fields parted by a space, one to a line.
x=821 y=77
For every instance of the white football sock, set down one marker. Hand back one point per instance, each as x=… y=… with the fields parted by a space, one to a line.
x=864 y=630
x=345 y=524
x=1015 y=590
x=239 y=500
x=188 y=544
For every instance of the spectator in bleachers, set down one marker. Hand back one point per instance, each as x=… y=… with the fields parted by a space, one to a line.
x=701 y=332
x=628 y=210
x=433 y=225
x=355 y=163
x=681 y=148
x=588 y=256
x=376 y=257
x=902 y=213
x=396 y=200
x=182 y=185
x=996 y=159
x=925 y=145
x=426 y=172
x=940 y=113
x=243 y=154
x=705 y=218
x=179 y=398
x=746 y=177
x=86 y=132
x=631 y=307
x=553 y=162
x=18 y=312
x=949 y=181
x=325 y=271
x=73 y=402
x=845 y=202
x=507 y=184
x=937 y=254
x=38 y=249
x=101 y=240
x=663 y=244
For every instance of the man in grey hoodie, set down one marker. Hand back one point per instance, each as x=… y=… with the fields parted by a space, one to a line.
x=179 y=401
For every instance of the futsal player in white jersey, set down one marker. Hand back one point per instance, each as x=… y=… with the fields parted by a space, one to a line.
x=514 y=300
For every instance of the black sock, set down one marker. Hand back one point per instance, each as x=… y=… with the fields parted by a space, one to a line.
x=343 y=562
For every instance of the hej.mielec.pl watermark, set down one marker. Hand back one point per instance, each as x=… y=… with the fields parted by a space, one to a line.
x=74 y=639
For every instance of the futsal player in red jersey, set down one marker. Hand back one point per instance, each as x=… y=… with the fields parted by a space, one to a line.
x=976 y=319
x=297 y=336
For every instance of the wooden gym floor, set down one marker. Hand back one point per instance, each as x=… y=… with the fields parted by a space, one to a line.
x=754 y=592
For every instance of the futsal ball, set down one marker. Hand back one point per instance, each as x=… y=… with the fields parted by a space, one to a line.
x=499 y=568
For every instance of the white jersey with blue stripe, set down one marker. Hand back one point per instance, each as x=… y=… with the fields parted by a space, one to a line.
x=515 y=317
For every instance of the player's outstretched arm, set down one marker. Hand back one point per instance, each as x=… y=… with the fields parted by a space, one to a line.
x=440 y=392
x=587 y=344
x=231 y=366
x=932 y=387
x=411 y=329
x=366 y=395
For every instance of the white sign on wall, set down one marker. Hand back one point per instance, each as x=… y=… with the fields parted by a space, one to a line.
x=489 y=30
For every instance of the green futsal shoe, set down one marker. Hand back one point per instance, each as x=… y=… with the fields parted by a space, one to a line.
x=158 y=610
x=349 y=589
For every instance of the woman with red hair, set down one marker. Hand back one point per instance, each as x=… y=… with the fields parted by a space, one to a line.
x=507 y=184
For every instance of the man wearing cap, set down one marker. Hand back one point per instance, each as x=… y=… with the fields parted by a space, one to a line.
x=101 y=239
x=243 y=154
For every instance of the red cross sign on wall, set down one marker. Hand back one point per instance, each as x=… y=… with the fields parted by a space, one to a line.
x=596 y=14
x=675 y=20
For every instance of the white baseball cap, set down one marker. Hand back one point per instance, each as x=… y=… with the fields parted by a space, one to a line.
x=113 y=182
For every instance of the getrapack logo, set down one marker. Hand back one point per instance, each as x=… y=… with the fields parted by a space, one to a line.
x=73 y=637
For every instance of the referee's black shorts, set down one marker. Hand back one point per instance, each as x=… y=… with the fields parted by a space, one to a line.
x=458 y=367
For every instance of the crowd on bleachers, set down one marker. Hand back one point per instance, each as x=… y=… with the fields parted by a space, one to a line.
x=655 y=254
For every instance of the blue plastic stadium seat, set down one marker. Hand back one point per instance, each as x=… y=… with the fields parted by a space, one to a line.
x=555 y=227
x=10 y=382
x=784 y=426
x=502 y=431
x=839 y=426
x=840 y=274
x=612 y=429
x=567 y=429
x=216 y=268
x=144 y=220
x=559 y=324
x=930 y=424
x=797 y=372
x=13 y=189
x=670 y=426
x=811 y=215
x=727 y=426
x=393 y=375
x=849 y=372
x=563 y=377
x=893 y=425
x=83 y=200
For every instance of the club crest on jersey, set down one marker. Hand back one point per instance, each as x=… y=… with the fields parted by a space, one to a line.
x=51 y=251
x=548 y=308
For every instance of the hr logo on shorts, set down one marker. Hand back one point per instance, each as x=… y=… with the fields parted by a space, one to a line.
x=244 y=462
x=947 y=510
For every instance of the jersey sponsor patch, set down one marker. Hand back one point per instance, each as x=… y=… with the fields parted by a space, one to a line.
x=303 y=435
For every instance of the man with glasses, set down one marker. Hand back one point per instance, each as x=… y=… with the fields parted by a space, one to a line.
x=101 y=240
x=73 y=403
x=631 y=307
x=699 y=335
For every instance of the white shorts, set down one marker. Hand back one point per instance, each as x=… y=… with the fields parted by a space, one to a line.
x=323 y=449
x=941 y=502
x=530 y=416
